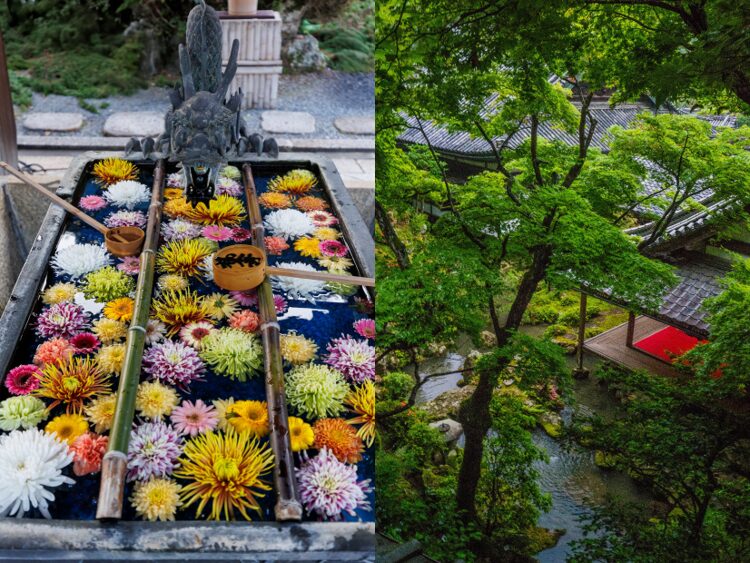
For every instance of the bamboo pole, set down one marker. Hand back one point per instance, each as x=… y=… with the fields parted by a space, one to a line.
x=114 y=464
x=323 y=276
x=288 y=506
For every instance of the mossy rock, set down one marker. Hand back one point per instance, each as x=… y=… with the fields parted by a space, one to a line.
x=543 y=538
x=551 y=423
x=605 y=460
x=568 y=344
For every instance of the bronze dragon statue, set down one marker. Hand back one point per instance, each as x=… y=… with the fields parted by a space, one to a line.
x=204 y=128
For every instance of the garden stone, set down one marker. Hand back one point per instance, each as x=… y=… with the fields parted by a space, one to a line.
x=287 y=122
x=450 y=429
x=356 y=125
x=53 y=121
x=134 y=124
x=303 y=55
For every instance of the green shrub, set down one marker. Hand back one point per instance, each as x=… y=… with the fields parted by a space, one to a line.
x=20 y=90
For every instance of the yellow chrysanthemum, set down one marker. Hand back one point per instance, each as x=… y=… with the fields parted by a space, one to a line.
x=300 y=433
x=249 y=416
x=59 y=293
x=296 y=349
x=120 y=309
x=183 y=257
x=177 y=207
x=72 y=382
x=308 y=246
x=178 y=308
x=295 y=182
x=155 y=400
x=225 y=211
x=172 y=193
x=221 y=406
x=335 y=264
x=172 y=282
x=326 y=233
x=111 y=357
x=275 y=200
x=101 y=412
x=67 y=427
x=112 y=170
x=224 y=470
x=220 y=306
x=361 y=400
x=110 y=330
x=156 y=499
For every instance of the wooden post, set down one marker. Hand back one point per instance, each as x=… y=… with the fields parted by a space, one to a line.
x=631 y=329
x=580 y=372
x=8 y=140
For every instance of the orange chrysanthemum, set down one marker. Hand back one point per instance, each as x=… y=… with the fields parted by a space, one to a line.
x=311 y=203
x=72 y=383
x=340 y=438
x=177 y=207
x=173 y=193
x=120 y=309
x=275 y=200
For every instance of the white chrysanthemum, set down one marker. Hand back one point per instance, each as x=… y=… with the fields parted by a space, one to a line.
x=180 y=229
x=31 y=463
x=77 y=260
x=207 y=268
x=289 y=224
x=155 y=331
x=127 y=193
x=297 y=288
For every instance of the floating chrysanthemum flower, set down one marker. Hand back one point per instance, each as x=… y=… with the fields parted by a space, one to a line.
x=301 y=434
x=155 y=331
x=365 y=328
x=111 y=357
x=354 y=358
x=316 y=391
x=176 y=180
x=183 y=257
x=130 y=265
x=249 y=416
x=240 y=234
x=54 y=351
x=112 y=170
x=67 y=427
x=233 y=353
x=85 y=343
x=333 y=248
x=172 y=282
x=275 y=200
x=225 y=471
x=180 y=229
x=107 y=284
x=179 y=308
x=153 y=451
x=296 y=349
x=221 y=406
x=127 y=194
x=154 y=400
x=298 y=288
x=326 y=233
x=224 y=210
x=295 y=182
x=340 y=439
x=22 y=380
x=289 y=224
x=275 y=245
x=92 y=203
x=88 y=451
x=193 y=334
x=62 y=320
x=194 y=418
x=31 y=463
x=220 y=306
x=21 y=412
x=173 y=193
x=227 y=186
x=156 y=499
x=308 y=246
x=101 y=412
x=177 y=207
x=322 y=218
x=59 y=293
x=329 y=487
x=173 y=363
x=336 y=264
x=109 y=330
x=247 y=298
x=217 y=233
x=126 y=218
x=79 y=259
x=72 y=382
x=245 y=320
x=120 y=309
x=279 y=304
x=310 y=203
x=231 y=172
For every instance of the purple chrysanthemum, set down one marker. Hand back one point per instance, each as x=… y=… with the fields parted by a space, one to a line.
x=365 y=328
x=173 y=363
x=354 y=358
x=131 y=265
x=329 y=487
x=92 y=203
x=180 y=229
x=153 y=451
x=62 y=320
x=240 y=234
x=176 y=180
x=279 y=304
x=126 y=218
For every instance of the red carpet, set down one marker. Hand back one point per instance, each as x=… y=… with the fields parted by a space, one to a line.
x=667 y=343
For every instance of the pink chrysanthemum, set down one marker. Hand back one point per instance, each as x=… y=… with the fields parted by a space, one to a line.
x=240 y=234
x=88 y=450
x=194 y=418
x=365 y=328
x=173 y=363
x=56 y=350
x=354 y=358
x=62 y=319
x=245 y=320
x=217 y=233
x=153 y=451
x=322 y=218
x=193 y=334
x=227 y=186
x=92 y=203
x=85 y=343
x=333 y=248
x=329 y=487
x=131 y=265
x=180 y=229
x=248 y=298
x=275 y=245
x=126 y=218
x=279 y=304
x=22 y=380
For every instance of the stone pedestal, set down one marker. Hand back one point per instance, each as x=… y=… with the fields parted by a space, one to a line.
x=259 y=61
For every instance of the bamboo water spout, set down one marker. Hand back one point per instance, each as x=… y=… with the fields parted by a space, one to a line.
x=114 y=464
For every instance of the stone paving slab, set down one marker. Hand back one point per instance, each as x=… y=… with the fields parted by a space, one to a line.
x=356 y=125
x=53 y=121
x=134 y=124
x=287 y=122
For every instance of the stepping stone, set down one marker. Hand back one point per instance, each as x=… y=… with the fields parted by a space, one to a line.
x=134 y=124
x=356 y=125
x=52 y=121
x=287 y=122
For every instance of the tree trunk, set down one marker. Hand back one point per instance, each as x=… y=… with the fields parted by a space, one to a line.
x=8 y=141
x=391 y=237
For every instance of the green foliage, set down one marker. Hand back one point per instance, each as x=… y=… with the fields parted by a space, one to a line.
x=20 y=89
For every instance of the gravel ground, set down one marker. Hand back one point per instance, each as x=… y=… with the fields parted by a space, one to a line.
x=326 y=96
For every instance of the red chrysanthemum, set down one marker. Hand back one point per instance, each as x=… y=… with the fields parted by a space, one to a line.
x=23 y=379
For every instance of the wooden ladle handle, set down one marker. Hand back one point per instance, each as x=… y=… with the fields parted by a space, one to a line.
x=323 y=276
